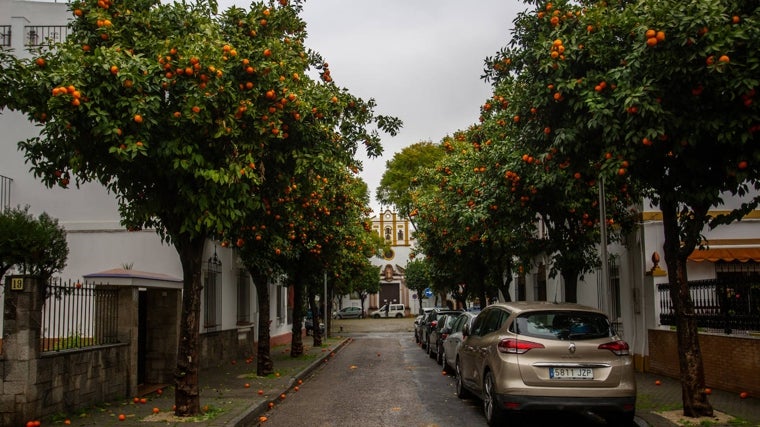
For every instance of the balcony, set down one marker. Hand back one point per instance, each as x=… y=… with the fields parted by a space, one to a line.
x=41 y=35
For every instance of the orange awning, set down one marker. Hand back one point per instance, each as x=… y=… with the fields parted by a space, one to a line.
x=726 y=254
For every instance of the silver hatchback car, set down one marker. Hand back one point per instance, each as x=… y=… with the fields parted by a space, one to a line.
x=524 y=356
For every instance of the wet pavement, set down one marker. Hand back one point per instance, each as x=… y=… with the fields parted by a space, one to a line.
x=232 y=394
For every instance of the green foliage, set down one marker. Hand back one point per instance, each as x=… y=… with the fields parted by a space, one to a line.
x=37 y=246
x=202 y=125
x=400 y=184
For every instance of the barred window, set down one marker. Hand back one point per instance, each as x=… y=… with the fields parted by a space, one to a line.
x=243 y=298
x=212 y=300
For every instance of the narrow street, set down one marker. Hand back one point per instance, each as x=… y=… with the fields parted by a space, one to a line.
x=382 y=378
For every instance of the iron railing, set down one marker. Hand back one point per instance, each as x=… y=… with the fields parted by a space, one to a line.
x=78 y=315
x=730 y=306
x=5 y=36
x=5 y=193
x=42 y=35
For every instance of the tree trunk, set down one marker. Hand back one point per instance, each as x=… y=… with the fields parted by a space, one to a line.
x=296 y=341
x=691 y=367
x=264 y=362
x=506 y=282
x=570 y=277
x=317 y=334
x=187 y=392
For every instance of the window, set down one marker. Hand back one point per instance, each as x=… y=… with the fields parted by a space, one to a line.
x=212 y=295
x=243 y=298
x=281 y=303
x=563 y=325
x=493 y=321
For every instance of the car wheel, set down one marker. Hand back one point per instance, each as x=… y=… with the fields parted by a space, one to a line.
x=439 y=355
x=377 y=316
x=462 y=392
x=446 y=367
x=399 y=315
x=494 y=414
x=430 y=350
x=416 y=337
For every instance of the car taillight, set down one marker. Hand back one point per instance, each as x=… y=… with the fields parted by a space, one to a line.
x=619 y=347
x=515 y=346
x=443 y=336
x=434 y=323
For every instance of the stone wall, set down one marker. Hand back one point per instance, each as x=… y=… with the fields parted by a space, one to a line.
x=67 y=381
x=224 y=346
x=730 y=361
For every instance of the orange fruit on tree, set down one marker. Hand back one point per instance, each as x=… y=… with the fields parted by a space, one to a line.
x=40 y=62
x=651 y=42
x=122 y=417
x=138 y=118
x=660 y=36
x=724 y=59
x=650 y=33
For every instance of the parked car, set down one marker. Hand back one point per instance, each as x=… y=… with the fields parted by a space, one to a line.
x=309 y=325
x=394 y=310
x=418 y=322
x=454 y=339
x=438 y=334
x=430 y=322
x=524 y=356
x=349 y=313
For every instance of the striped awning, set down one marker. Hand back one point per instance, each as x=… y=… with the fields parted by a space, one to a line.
x=726 y=254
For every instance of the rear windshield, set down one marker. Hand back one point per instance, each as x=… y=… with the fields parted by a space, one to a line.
x=563 y=325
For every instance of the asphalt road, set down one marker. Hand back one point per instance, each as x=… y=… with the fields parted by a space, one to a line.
x=382 y=378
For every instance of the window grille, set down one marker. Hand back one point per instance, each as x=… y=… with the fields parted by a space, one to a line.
x=5 y=36
x=5 y=193
x=213 y=295
x=243 y=298
x=40 y=35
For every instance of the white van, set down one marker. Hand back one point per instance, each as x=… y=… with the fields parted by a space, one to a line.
x=396 y=310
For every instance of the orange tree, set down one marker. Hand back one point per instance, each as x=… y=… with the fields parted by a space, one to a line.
x=462 y=231
x=656 y=95
x=174 y=109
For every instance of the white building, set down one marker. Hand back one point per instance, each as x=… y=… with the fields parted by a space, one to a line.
x=97 y=242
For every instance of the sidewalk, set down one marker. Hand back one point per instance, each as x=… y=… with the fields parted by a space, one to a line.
x=231 y=393
x=653 y=399
x=229 y=402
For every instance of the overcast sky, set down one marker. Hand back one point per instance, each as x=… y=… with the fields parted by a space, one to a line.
x=420 y=59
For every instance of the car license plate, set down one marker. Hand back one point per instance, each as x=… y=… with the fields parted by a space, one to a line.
x=571 y=373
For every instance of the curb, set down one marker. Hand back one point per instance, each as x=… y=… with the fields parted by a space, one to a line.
x=251 y=416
